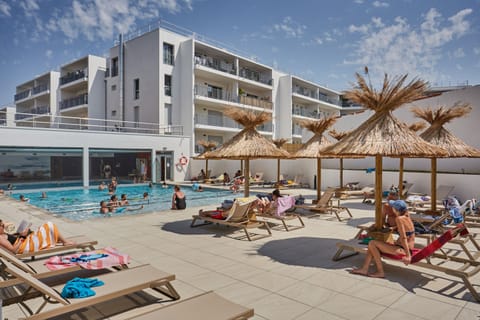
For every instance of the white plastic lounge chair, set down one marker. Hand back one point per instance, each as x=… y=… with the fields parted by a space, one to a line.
x=238 y=216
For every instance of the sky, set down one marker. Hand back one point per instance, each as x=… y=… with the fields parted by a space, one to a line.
x=321 y=41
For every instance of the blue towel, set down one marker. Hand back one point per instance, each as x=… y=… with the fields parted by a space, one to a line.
x=370 y=170
x=88 y=257
x=80 y=288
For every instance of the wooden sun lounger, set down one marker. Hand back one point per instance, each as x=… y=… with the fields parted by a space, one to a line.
x=286 y=216
x=81 y=243
x=325 y=205
x=466 y=268
x=117 y=284
x=238 y=217
x=208 y=305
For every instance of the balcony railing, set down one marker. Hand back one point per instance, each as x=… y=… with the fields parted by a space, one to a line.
x=326 y=98
x=217 y=64
x=41 y=110
x=306 y=113
x=39 y=88
x=22 y=95
x=255 y=76
x=216 y=121
x=305 y=92
x=220 y=94
x=297 y=131
x=72 y=76
x=73 y=102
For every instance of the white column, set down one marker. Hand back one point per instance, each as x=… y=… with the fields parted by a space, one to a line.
x=86 y=166
x=153 y=166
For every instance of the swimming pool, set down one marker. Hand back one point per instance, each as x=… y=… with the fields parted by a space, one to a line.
x=51 y=184
x=81 y=204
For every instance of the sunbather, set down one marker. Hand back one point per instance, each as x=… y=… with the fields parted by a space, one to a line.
x=265 y=205
x=46 y=236
x=402 y=246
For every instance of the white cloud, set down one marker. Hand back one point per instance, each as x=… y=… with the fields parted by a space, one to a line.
x=30 y=7
x=476 y=50
x=358 y=1
x=400 y=48
x=379 y=4
x=362 y=28
x=459 y=53
x=48 y=53
x=290 y=28
x=4 y=8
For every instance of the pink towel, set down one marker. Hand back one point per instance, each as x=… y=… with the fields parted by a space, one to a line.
x=283 y=204
x=113 y=258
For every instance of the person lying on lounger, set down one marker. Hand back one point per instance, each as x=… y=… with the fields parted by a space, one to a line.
x=402 y=246
x=46 y=236
x=265 y=205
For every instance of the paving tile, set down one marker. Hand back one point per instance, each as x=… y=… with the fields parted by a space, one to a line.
x=316 y=314
x=350 y=307
x=270 y=281
x=242 y=293
x=276 y=307
x=307 y=293
x=425 y=307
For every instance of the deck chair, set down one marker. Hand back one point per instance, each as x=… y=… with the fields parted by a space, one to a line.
x=296 y=183
x=442 y=192
x=238 y=217
x=284 y=205
x=406 y=190
x=427 y=257
x=257 y=179
x=360 y=192
x=208 y=305
x=80 y=243
x=325 y=205
x=117 y=284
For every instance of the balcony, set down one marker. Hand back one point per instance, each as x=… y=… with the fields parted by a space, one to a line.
x=297 y=131
x=328 y=99
x=255 y=102
x=73 y=102
x=22 y=95
x=255 y=76
x=305 y=92
x=39 y=89
x=216 y=121
x=72 y=76
x=266 y=127
x=308 y=113
x=220 y=94
x=41 y=110
x=217 y=64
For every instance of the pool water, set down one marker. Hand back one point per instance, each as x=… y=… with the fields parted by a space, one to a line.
x=81 y=204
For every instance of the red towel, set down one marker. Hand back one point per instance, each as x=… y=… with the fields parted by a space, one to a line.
x=113 y=258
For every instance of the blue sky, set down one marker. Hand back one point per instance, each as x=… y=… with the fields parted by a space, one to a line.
x=323 y=41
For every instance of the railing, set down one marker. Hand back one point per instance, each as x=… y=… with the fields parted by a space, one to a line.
x=255 y=76
x=305 y=92
x=72 y=76
x=220 y=94
x=55 y=122
x=73 y=102
x=42 y=110
x=22 y=95
x=306 y=113
x=297 y=131
x=217 y=64
x=216 y=121
x=266 y=127
x=326 y=98
x=39 y=88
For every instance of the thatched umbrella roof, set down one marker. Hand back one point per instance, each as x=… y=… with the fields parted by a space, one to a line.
x=383 y=134
x=207 y=146
x=339 y=135
x=438 y=135
x=313 y=147
x=279 y=143
x=248 y=143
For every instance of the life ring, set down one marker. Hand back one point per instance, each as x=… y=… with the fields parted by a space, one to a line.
x=183 y=161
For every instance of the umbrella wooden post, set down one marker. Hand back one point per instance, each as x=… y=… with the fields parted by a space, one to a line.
x=378 y=192
x=434 y=184
x=278 y=171
x=247 y=178
x=400 y=179
x=241 y=168
x=319 y=178
x=341 y=172
x=206 y=169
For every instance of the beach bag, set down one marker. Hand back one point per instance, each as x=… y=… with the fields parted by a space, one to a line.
x=300 y=200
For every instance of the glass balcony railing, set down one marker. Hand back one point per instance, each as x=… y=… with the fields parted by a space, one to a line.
x=305 y=92
x=255 y=102
x=256 y=76
x=306 y=113
x=216 y=121
x=22 y=95
x=220 y=94
x=72 y=76
x=40 y=88
x=297 y=131
x=73 y=102
x=217 y=64
x=41 y=110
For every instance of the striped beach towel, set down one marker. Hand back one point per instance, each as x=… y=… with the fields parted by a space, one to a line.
x=92 y=260
x=45 y=237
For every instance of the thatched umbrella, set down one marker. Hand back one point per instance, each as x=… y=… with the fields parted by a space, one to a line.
x=313 y=148
x=339 y=136
x=207 y=146
x=248 y=143
x=438 y=135
x=383 y=134
x=279 y=143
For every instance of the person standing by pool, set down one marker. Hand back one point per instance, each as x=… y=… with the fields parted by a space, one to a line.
x=178 y=199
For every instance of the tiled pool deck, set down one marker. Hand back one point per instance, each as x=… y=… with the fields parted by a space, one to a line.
x=287 y=276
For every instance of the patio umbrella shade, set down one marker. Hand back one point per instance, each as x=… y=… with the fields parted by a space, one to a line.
x=313 y=147
x=383 y=134
x=207 y=146
x=248 y=143
x=338 y=135
x=279 y=143
x=438 y=135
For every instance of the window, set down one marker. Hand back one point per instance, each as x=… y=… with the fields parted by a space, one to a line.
x=168 y=114
x=168 y=56
x=136 y=116
x=136 y=89
x=168 y=85
x=214 y=92
x=114 y=87
x=115 y=67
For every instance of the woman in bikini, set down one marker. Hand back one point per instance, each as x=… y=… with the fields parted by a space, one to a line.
x=402 y=246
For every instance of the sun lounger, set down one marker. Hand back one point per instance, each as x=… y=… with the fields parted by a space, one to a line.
x=116 y=284
x=426 y=257
x=80 y=243
x=442 y=193
x=238 y=217
x=285 y=204
x=360 y=192
x=325 y=205
x=296 y=183
x=208 y=305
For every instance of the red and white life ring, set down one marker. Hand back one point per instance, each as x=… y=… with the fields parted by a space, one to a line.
x=183 y=160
